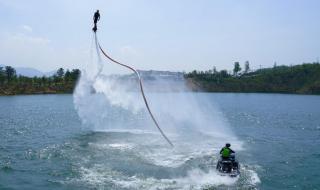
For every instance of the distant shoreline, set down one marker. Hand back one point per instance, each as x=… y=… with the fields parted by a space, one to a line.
x=2 y=95
x=301 y=79
x=298 y=79
x=279 y=93
x=59 y=83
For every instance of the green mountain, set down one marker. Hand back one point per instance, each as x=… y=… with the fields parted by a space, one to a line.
x=300 y=79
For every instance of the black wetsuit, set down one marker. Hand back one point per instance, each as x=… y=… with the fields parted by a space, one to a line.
x=96 y=18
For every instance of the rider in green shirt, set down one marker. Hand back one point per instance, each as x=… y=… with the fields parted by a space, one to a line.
x=226 y=151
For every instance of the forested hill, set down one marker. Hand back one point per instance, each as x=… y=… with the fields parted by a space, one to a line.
x=301 y=79
x=60 y=82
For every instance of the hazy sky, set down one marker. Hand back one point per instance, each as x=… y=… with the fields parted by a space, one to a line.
x=178 y=35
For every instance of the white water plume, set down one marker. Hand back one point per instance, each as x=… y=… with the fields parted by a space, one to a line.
x=191 y=120
x=114 y=102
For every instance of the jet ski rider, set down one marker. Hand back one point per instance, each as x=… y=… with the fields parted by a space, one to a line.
x=226 y=151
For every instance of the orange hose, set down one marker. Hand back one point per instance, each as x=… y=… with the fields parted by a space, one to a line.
x=142 y=92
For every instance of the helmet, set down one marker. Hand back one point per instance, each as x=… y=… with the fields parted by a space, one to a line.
x=228 y=145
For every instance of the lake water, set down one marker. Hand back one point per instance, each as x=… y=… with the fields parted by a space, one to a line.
x=47 y=144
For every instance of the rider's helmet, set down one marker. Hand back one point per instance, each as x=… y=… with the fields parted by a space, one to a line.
x=228 y=145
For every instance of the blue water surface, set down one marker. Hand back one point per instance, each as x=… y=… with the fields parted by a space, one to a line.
x=44 y=145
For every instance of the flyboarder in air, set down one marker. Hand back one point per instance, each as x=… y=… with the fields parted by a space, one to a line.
x=96 y=18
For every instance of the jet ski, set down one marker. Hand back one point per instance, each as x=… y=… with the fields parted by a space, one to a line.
x=229 y=166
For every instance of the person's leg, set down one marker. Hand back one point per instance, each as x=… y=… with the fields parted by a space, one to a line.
x=94 y=27
x=225 y=158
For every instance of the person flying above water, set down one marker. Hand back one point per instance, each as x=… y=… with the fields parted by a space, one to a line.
x=96 y=18
x=226 y=151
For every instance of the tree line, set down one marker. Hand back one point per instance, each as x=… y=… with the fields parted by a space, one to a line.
x=214 y=74
x=304 y=79
x=60 y=82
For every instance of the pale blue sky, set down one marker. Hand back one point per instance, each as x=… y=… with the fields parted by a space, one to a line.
x=177 y=35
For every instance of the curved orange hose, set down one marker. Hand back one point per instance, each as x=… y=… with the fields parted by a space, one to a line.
x=142 y=92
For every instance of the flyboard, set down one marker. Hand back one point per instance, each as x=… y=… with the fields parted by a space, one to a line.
x=140 y=85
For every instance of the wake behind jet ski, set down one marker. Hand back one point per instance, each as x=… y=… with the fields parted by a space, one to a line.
x=227 y=164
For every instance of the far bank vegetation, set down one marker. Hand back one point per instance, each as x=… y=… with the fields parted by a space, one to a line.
x=61 y=82
x=300 y=79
